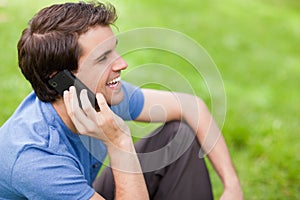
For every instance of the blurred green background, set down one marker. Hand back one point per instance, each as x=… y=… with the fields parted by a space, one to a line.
x=256 y=47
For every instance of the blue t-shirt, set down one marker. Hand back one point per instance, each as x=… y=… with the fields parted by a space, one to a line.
x=40 y=158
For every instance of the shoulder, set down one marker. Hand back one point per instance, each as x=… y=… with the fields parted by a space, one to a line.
x=38 y=173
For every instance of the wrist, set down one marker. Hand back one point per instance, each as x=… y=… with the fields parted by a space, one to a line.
x=231 y=182
x=233 y=190
x=122 y=143
x=123 y=156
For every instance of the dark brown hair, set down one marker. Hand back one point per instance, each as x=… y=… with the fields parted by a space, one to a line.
x=50 y=42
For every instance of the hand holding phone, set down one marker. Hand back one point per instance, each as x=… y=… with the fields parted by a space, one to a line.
x=63 y=80
x=111 y=128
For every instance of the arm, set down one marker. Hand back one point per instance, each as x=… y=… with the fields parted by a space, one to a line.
x=164 y=106
x=113 y=132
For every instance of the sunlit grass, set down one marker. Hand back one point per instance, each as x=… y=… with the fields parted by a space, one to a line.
x=255 y=45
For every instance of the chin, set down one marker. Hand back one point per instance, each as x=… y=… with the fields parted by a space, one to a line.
x=116 y=99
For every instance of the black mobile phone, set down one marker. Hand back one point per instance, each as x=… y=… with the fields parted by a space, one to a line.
x=63 y=80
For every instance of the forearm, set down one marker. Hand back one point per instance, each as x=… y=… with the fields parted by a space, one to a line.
x=127 y=172
x=179 y=106
x=221 y=161
x=115 y=134
x=210 y=138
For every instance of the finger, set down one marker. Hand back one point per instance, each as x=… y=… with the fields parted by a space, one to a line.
x=69 y=103
x=87 y=107
x=77 y=116
x=73 y=99
x=102 y=103
x=66 y=97
x=74 y=104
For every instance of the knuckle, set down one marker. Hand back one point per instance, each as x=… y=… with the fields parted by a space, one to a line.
x=99 y=122
x=86 y=109
x=89 y=130
x=110 y=120
x=102 y=103
x=71 y=113
x=75 y=111
x=85 y=130
x=81 y=130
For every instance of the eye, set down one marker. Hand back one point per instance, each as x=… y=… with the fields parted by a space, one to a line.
x=102 y=58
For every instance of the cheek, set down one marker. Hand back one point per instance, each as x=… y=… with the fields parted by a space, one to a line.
x=94 y=78
x=91 y=82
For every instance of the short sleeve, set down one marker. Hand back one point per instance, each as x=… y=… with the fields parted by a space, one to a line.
x=38 y=174
x=132 y=104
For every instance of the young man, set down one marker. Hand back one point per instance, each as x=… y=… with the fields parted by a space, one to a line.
x=52 y=146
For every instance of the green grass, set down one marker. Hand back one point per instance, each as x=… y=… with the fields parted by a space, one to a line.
x=255 y=45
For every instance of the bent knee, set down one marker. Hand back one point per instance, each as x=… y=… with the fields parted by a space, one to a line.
x=179 y=127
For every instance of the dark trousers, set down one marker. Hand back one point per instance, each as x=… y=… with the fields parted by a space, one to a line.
x=169 y=157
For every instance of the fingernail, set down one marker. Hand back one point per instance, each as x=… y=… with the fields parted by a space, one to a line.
x=72 y=88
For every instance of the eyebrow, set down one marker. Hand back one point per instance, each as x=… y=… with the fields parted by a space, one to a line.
x=105 y=53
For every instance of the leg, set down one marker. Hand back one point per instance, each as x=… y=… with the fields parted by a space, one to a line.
x=171 y=166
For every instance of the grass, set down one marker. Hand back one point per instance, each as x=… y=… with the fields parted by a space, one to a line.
x=255 y=45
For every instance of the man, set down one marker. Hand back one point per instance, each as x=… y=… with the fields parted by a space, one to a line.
x=52 y=146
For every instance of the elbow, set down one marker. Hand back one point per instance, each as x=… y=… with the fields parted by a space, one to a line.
x=192 y=105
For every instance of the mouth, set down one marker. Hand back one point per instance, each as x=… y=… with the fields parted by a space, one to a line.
x=113 y=83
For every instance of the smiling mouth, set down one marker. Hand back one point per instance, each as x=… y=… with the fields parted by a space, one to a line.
x=114 y=82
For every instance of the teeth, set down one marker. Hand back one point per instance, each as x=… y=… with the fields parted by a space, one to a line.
x=114 y=81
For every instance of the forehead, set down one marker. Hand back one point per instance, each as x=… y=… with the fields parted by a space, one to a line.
x=99 y=37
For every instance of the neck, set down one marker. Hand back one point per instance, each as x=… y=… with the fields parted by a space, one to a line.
x=60 y=108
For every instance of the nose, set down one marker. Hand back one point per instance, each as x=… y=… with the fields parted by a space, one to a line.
x=119 y=64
